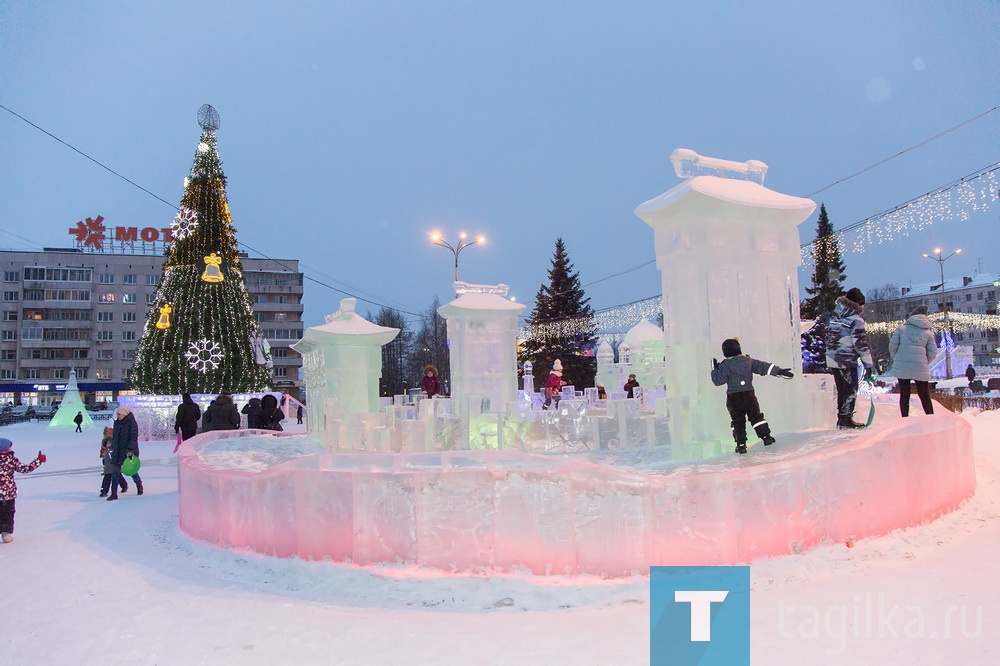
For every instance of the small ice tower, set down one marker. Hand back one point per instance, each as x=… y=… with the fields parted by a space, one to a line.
x=70 y=406
x=645 y=342
x=607 y=372
x=482 y=339
x=728 y=251
x=342 y=365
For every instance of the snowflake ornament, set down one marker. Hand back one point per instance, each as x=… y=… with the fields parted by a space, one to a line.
x=184 y=223
x=204 y=355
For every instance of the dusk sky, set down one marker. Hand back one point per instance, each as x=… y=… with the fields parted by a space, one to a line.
x=350 y=130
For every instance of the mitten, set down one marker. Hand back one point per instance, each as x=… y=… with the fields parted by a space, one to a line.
x=715 y=364
x=41 y=457
x=785 y=372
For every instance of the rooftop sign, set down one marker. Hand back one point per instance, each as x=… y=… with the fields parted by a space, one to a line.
x=92 y=236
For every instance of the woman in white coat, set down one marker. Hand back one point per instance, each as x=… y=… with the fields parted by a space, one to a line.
x=912 y=348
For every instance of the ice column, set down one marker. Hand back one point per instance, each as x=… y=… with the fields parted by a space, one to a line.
x=728 y=251
x=342 y=362
x=482 y=340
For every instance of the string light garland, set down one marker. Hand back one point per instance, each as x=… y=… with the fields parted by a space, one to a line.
x=958 y=201
x=609 y=322
x=962 y=322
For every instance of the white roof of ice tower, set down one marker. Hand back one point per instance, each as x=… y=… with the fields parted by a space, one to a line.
x=480 y=297
x=644 y=330
x=347 y=327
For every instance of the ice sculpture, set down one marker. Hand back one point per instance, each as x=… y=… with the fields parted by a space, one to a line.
x=482 y=339
x=728 y=250
x=70 y=406
x=646 y=355
x=342 y=362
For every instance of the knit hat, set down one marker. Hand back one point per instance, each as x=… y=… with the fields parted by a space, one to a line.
x=123 y=410
x=5 y=445
x=731 y=347
x=920 y=309
x=557 y=366
x=855 y=295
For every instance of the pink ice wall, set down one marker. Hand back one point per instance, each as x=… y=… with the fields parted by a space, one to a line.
x=505 y=510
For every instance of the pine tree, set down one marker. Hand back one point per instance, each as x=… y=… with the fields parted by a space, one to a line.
x=828 y=271
x=201 y=335
x=562 y=326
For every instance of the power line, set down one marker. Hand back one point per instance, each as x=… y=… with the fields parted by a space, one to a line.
x=902 y=152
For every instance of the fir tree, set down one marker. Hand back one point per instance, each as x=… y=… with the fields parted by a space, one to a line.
x=201 y=335
x=562 y=326
x=828 y=271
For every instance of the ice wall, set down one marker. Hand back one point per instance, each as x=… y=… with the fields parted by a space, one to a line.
x=511 y=511
x=728 y=251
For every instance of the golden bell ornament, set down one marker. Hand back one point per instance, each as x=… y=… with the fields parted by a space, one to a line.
x=213 y=272
x=164 y=321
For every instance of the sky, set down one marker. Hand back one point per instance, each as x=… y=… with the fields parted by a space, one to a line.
x=352 y=130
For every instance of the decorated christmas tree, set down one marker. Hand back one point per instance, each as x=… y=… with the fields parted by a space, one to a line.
x=201 y=335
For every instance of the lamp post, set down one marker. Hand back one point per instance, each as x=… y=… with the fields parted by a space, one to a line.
x=944 y=301
x=456 y=249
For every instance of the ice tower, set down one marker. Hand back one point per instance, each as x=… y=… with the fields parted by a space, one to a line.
x=728 y=251
x=342 y=362
x=70 y=406
x=482 y=338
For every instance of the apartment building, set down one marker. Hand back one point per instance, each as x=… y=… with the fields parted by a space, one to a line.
x=976 y=295
x=67 y=308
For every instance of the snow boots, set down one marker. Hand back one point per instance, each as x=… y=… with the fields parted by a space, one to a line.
x=848 y=423
x=768 y=441
x=7 y=537
x=741 y=448
x=138 y=487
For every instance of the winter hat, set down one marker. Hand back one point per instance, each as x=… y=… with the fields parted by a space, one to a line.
x=5 y=445
x=123 y=410
x=855 y=295
x=557 y=367
x=919 y=310
x=731 y=347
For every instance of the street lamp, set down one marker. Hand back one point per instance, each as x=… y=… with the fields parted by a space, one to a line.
x=456 y=249
x=944 y=302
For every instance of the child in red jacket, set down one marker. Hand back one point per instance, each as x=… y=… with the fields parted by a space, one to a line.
x=553 y=385
x=8 y=489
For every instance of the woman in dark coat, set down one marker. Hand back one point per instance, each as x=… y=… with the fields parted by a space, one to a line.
x=221 y=415
x=270 y=416
x=124 y=442
x=252 y=410
x=430 y=384
x=188 y=414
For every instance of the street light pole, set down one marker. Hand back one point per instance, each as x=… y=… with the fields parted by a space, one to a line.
x=944 y=302
x=456 y=249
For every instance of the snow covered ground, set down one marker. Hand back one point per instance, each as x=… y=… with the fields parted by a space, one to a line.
x=88 y=581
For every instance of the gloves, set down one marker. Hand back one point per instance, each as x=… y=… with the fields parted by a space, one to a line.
x=784 y=372
x=870 y=375
x=715 y=364
x=41 y=457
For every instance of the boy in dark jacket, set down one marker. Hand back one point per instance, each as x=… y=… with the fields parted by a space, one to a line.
x=736 y=372
x=109 y=465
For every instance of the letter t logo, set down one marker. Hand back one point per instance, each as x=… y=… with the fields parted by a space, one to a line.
x=701 y=610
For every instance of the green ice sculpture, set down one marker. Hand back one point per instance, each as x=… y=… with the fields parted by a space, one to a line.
x=71 y=406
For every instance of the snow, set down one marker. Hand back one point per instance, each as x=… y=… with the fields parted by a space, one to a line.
x=740 y=192
x=88 y=581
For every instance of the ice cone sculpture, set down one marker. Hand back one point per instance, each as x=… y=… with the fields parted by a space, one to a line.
x=70 y=406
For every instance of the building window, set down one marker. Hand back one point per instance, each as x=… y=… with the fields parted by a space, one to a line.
x=281 y=299
x=107 y=298
x=281 y=372
x=8 y=355
x=150 y=298
x=280 y=316
x=11 y=296
x=10 y=335
x=57 y=373
x=152 y=280
x=281 y=352
x=8 y=374
x=105 y=336
x=31 y=333
x=979 y=296
x=32 y=373
x=107 y=278
x=10 y=315
x=128 y=317
x=128 y=336
x=102 y=373
x=968 y=297
x=130 y=279
x=80 y=353
x=128 y=298
x=105 y=354
x=105 y=316
x=258 y=298
x=128 y=354
x=10 y=276
x=81 y=373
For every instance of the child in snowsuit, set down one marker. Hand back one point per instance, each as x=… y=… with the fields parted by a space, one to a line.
x=553 y=385
x=109 y=465
x=8 y=489
x=737 y=371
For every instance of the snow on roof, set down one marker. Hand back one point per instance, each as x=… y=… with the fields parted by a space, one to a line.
x=345 y=326
x=950 y=285
x=643 y=331
x=740 y=192
x=478 y=301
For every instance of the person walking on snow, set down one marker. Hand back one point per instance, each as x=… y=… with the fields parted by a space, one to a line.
x=846 y=344
x=737 y=372
x=78 y=420
x=8 y=488
x=188 y=415
x=124 y=443
x=912 y=349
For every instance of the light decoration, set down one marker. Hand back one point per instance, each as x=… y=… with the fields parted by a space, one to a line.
x=184 y=223
x=164 y=321
x=958 y=201
x=962 y=322
x=212 y=273
x=611 y=323
x=204 y=355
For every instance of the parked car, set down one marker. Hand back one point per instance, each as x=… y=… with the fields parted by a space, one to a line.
x=26 y=411
x=42 y=412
